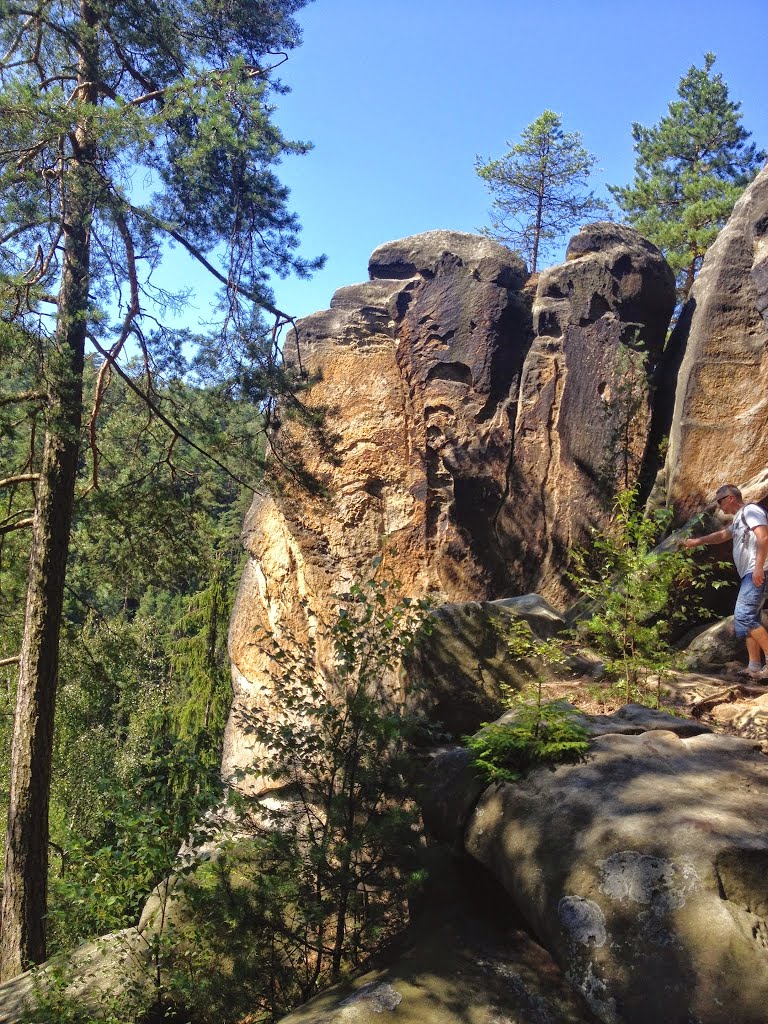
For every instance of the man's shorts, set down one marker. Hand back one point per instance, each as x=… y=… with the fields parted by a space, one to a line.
x=746 y=614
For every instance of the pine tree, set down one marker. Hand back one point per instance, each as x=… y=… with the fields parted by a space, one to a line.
x=540 y=188
x=123 y=127
x=690 y=169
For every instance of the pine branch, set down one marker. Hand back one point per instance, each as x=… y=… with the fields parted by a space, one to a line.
x=22 y=396
x=155 y=410
x=20 y=525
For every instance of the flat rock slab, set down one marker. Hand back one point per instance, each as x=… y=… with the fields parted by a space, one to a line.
x=644 y=870
x=747 y=717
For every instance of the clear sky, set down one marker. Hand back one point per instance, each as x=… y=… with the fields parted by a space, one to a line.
x=399 y=97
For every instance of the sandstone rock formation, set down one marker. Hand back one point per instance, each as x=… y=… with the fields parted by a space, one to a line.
x=584 y=409
x=720 y=426
x=418 y=373
x=470 y=457
x=459 y=965
x=464 y=663
x=641 y=870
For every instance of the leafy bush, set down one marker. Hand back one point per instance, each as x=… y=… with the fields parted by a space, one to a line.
x=634 y=589
x=541 y=733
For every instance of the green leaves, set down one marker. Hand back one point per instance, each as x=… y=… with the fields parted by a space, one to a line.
x=635 y=592
x=340 y=741
x=541 y=734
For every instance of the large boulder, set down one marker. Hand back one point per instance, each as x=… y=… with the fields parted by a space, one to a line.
x=459 y=671
x=584 y=411
x=642 y=870
x=720 y=421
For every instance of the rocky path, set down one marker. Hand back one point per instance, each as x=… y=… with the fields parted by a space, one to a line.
x=724 y=701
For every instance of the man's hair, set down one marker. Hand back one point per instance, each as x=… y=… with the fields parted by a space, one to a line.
x=727 y=489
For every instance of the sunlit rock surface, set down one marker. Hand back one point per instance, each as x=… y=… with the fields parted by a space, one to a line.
x=720 y=426
x=584 y=412
x=463 y=441
x=642 y=870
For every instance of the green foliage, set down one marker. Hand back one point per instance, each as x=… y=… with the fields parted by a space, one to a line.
x=345 y=843
x=153 y=567
x=633 y=590
x=690 y=169
x=246 y=943
x=540 y=188
x=159 y=803
x=540 y=734
x=53 y=1004
x=310 y=886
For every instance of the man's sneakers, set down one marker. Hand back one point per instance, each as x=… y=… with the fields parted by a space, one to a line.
x=755 y=675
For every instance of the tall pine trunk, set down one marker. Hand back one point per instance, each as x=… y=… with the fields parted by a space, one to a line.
x=24 y=900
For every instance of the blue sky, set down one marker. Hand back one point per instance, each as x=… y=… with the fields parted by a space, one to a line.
x=400 y=97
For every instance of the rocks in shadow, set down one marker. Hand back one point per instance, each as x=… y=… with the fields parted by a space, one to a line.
x=642 y=870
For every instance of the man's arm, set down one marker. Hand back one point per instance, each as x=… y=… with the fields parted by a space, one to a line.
x=713 y=538
x=758 y=574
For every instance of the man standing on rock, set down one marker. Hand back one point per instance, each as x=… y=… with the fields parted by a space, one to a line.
x=749 y=531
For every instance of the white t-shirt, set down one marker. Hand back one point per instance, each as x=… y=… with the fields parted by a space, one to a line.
x=742 y=529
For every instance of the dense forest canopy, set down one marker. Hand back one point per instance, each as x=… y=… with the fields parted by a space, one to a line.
x=92 y=94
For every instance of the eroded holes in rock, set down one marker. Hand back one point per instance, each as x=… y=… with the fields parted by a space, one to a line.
x=402 y=302
x=553 y=290
x=623 y=265
x=598 y=306
x=761 y=227
x=458 y=372
x=632 y=336
x=433 y=410
x=548 y=324
x=375 y=488
x=441 y=339
x=399 y=271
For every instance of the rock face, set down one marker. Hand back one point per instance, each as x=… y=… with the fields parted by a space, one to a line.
x=643 y=870
x=457 y=967
x=464 y=662
x=584 y=410
x=720 y=425
x=418 y=375
x=469 y=454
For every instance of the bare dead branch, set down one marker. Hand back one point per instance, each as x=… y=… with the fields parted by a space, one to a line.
x=201 y=259
x=10 y=661
x=20 y=229
x=30 y=20
x=22 y=478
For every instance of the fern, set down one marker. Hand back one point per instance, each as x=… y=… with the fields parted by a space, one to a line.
x=541 y=733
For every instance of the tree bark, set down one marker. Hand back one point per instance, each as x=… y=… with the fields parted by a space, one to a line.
x=24 y=901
